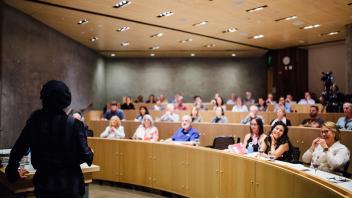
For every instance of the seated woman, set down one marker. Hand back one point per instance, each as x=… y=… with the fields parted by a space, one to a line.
x=262 y=106
x=327 y=151
x=127 y=104
x=147 y=130
x=277 y=143
x=219 y=116
x=143 y=110
x=151 y=99
x=281 y=116
x=256 y=135
x=114 y=130
x=239 y=107
x=195 y=115
x=219 y=102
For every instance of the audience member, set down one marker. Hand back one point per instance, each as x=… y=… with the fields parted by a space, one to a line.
x=147 y=130
x=313 y=120
x=278 y=144
x=198 y=103
x=114 y=130
x=253 y=114
x=326 y=151
x=79 y=116
x=239 y=107
x=162 y=99
x=213 y=101
x=219 y=116
x=139 y=99
x=169 y=115
x=270 y=99
x=281 y=116
x=151 y=99
x=219 y=102
x=195 y=115
x=179 y=104
x=186 y=132
x=282 y=104
x=256 y=135
x=231 y=100
x=114 y=111
x=127 y=104
x=248 y=100
x=143 y=110
x=307 y=99
x=262 y=106
x=158 y=106
x=345 y=122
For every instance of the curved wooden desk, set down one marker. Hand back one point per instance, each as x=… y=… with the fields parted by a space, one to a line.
x=202 y=172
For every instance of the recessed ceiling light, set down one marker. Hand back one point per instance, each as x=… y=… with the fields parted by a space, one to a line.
x=152 y=54
x=125 y=43
x=83 y=21
x=301 y=41
x=257 y=8
x=186 y=40
x=200 y=24
x=233 y=54
x=210 y=45
x=165 y=14
x=121 y=4
x=230 y=30
x=192 y=54
x=93 y=39
x=286 y=18
x=256 y=36
x=310 y=27
x=154 y=47
x=112 y=55
x=157 y=35
x=122 y=29
x=330 y=33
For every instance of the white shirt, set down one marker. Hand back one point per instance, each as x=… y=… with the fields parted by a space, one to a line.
x=113 y=133
x=335 y=158
x=143 y=133
x=242 y=108
x=304 y=101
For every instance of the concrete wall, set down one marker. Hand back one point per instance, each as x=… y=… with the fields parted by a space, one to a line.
x=190 y=76
x=31 y=54
x=323 y=58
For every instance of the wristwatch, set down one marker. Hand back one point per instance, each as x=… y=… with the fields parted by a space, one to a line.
x=326 y=149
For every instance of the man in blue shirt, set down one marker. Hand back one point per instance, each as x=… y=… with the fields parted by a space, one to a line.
x=345 y=122
x=186 y=132
x=114 y=111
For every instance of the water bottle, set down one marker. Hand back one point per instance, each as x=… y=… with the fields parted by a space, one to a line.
x=250 y=148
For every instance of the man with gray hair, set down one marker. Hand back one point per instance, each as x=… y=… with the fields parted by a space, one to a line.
x=345 y=122
x=169 y=115
x=186 y=132
x=253 y=111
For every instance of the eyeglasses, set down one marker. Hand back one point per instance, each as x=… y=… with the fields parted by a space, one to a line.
x=324 y=131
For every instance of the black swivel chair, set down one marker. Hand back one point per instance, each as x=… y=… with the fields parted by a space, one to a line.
x=223 y=142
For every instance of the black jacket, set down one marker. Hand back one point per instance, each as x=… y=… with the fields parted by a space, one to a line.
x=58 y=146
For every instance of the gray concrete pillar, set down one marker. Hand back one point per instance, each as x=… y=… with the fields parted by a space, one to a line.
x=348 y=59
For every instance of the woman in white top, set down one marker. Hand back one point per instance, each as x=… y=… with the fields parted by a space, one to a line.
x=114 y=130
x=239 y=107
x=326 y=151
x=147 y=130
x=256 y=135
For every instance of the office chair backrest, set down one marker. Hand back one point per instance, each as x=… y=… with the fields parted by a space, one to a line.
x=223 y=142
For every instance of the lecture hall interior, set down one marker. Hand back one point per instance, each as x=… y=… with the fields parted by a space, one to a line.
x=187 y=98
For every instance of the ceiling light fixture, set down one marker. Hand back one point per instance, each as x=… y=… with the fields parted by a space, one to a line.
x=165 y=14
x=152 y=54
x=157 y=35
x=154 y=47
x=93 y=39
x=257 y=8
x=233 y=54
x=123 y=29
x=310 y=27
x=185 y=41
x=112 y=55
x=330 y=33
x=200 y=24
x=193 y=54
x=125 y=43
x=230 y=30
x=121 y=4
x=286 y=18
x=256 y=36
x=83 y=21
x=210 y=45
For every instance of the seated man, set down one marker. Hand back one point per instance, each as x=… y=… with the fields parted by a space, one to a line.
x=114 y=111
x=78 y=115
x=169 y=115
x=307 y=99
x=313 y=120
x=186 y=132
x=253 y=111
x=248 y=100
x=345 y=122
